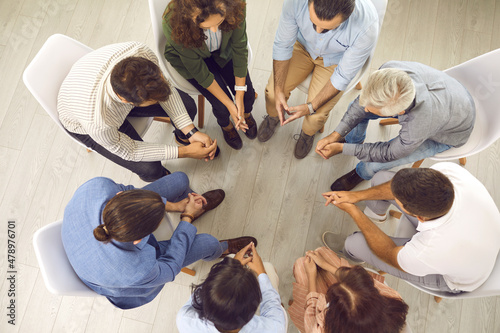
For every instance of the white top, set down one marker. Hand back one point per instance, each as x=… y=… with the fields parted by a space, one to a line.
x=214 y=39
x=462 y=245
x=272 y=318
x=88 y=105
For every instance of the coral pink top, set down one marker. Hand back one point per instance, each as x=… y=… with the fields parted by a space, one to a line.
x=308 y=309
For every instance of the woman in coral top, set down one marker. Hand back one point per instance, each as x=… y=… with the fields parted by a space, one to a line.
x=331 y=296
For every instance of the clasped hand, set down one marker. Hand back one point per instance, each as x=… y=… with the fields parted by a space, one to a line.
x=249 y=256
x=295 y=112
x=328 y=147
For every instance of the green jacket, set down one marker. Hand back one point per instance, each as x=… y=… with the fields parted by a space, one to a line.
x=189 y=62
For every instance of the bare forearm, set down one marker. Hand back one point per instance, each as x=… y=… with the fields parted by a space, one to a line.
x=381 y=244
x=280 y=70
x=311 y=285
x=379 y=192
x=326 y=93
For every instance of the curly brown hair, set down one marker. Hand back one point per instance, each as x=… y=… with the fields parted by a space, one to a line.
x=187 y=15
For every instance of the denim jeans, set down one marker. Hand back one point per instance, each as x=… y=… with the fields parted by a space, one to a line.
x=367 y=170
x=225 y=78
x=174 y=188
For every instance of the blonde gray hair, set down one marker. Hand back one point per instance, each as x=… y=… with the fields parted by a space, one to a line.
x=390 y=90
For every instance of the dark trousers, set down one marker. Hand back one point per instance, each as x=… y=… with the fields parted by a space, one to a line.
x=225 y=78
x=147 y=171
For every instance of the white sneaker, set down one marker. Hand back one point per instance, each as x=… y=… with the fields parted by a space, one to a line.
x=373 y=216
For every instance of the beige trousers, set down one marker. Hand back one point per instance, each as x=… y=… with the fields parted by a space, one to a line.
x=301 y=65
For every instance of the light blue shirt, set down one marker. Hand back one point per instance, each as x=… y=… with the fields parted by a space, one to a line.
x=271 y=320
x=347 y=46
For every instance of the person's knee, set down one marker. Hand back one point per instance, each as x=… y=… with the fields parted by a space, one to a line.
x=182 y=178
x=151 y=171
x=382 y=177
x=355 y=245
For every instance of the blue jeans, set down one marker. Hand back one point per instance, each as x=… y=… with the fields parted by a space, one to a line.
x=367 y=170
x=174 y=188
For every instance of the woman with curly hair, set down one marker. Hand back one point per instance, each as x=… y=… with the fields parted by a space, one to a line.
x=207 y=45
x=342 y=299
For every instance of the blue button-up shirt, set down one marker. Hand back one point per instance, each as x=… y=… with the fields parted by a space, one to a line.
x=128 y=275
x=272 y=317
x=347 y=46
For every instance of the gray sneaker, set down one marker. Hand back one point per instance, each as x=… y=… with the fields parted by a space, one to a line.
x=303 y=145
x=335 y=242
x=267 y=128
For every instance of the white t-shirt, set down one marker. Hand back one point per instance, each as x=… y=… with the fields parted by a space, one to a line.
x=462 y=245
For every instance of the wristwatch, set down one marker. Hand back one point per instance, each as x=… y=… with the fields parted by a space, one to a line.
x=191 y=132
x=240 y=88
x=310 y=107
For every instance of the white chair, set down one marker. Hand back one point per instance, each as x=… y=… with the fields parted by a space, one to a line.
x=156 y=10
x=57 y=272
x=481 y=77
x=380 y=6
x=48 y=69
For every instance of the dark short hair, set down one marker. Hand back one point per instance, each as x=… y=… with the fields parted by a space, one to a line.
x=423 y=192
x=326 y=10
x=356 y=305
x=229 y=296
x=130 y=215
x=139 y=80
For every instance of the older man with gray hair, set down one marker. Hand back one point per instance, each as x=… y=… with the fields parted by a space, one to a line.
x=434 y=110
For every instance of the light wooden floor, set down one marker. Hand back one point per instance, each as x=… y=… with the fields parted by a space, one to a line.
x=270 y=194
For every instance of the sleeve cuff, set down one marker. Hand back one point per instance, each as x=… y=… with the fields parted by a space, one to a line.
x=349 y=149
x=171 y=152
x=338 y=82
x=343 y=129
x=205 y=83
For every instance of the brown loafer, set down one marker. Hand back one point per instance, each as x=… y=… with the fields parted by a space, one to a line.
x=267 y=128
x=234 y=245
x=303 y=145
x=214 y=198
x=232 y=138
x=347 y=182
x=251 y=132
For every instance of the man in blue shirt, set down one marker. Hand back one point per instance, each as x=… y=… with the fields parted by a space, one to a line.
x=330 y=39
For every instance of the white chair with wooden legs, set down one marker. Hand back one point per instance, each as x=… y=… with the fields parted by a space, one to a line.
x=380 y=6
x=45 y=74
x=481 y=77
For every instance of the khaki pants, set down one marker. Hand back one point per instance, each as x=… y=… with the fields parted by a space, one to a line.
x=301 y=65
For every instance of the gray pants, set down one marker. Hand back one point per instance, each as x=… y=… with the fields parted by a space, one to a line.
x=356 y=248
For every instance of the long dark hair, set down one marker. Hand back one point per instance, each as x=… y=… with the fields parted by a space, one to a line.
x=229 y=296
x=187 y=15
x=355 y=305
x=130 y=216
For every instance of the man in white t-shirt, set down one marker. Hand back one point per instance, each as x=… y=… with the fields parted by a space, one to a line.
x=457 y=223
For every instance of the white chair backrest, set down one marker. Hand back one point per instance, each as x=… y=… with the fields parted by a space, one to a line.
x=156 y=10
x=48 y=69
x=57 y=272
x=481 y=77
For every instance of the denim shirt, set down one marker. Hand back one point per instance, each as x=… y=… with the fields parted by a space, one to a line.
x=128 y=275
x=443 y=111
x=348 y=46
x=272 y=318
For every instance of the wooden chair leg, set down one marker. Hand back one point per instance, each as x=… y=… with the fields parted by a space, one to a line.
x=188 y=271
x=462 y=161
x=395 y=213
x=89 y=150
x=162 y=119
x=256 y=95
x=381 y=273
x=437 y=299
x=358 y=86
x=388 y=121
x=201 y=111
x=290 y=302
x=417 y=164
x=322 y=129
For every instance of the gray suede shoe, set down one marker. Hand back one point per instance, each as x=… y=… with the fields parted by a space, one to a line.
x=335 y=242
x=267 y=128
x=303 y=145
